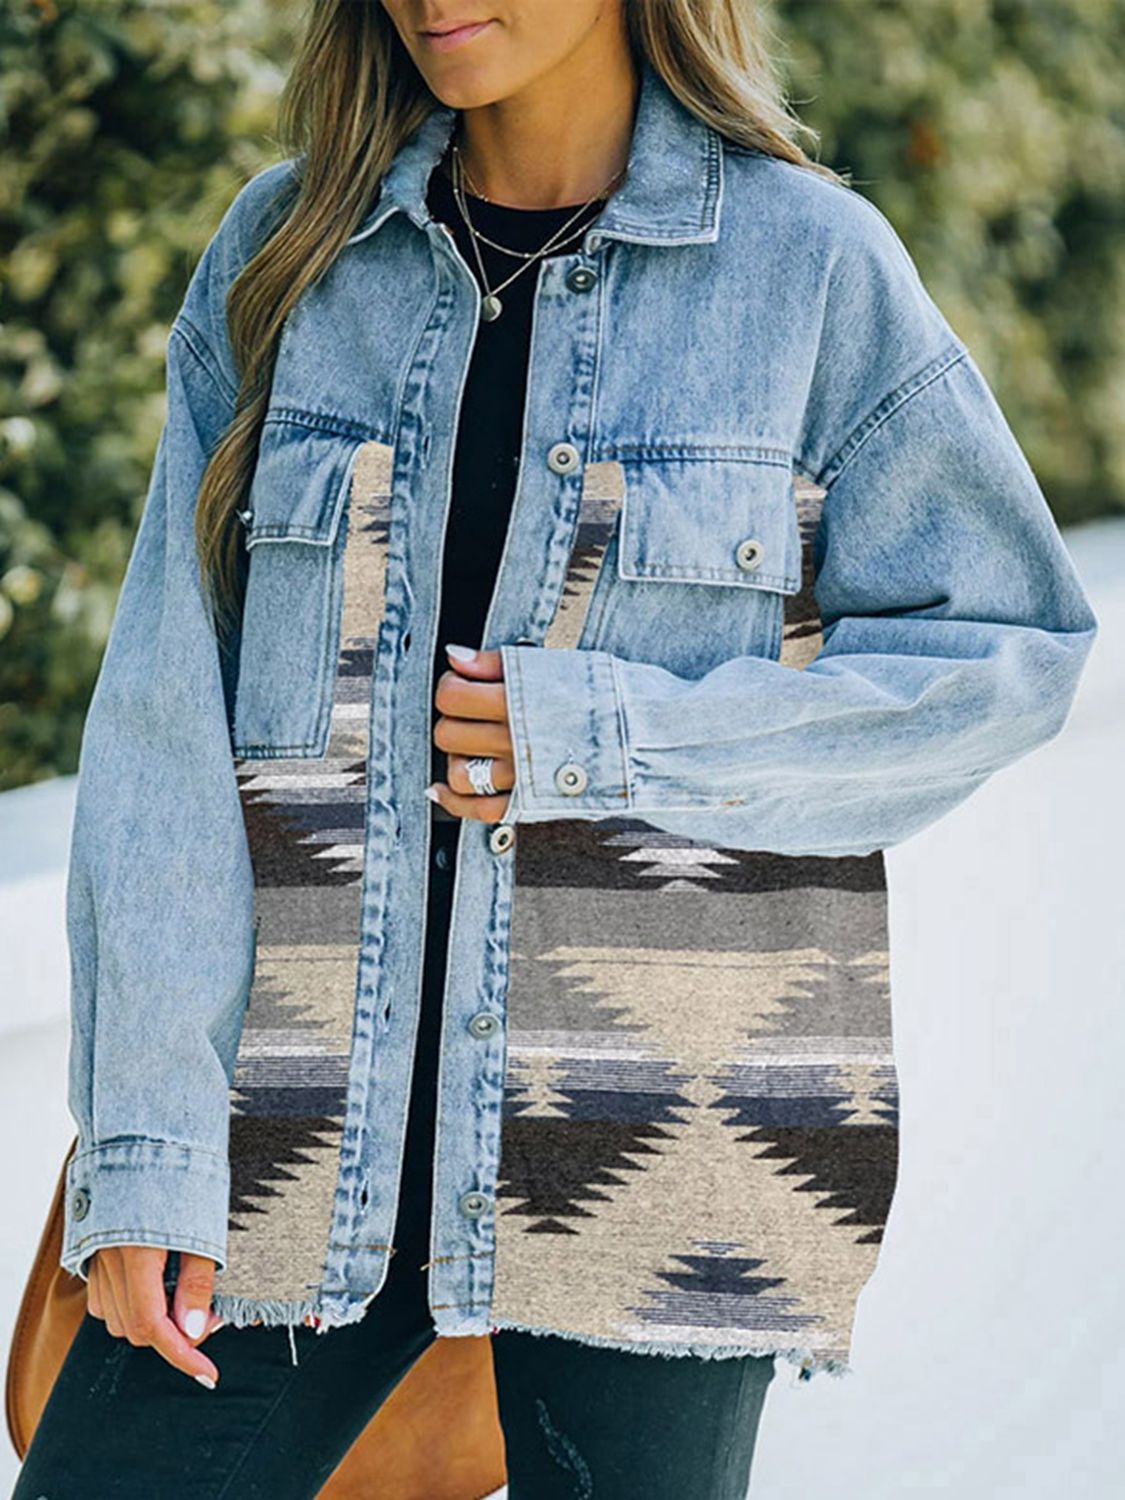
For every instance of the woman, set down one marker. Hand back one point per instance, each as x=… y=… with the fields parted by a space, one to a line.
x=504 y=380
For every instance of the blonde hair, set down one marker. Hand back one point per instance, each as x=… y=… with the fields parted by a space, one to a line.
x=352 y=98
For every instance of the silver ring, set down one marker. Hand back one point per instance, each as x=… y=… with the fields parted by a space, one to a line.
x=480 y=775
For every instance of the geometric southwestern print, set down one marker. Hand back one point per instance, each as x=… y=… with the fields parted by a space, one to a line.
x=305 y=826
x=700 y=1125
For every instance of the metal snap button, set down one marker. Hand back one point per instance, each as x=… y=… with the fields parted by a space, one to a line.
x=571 y=779
x=581 y=278
x=523 y=640
x=80 y=1203
x=484 y=1024
x=501 y=839
x=563 y=458
x=472 y=1205
x=748 y=554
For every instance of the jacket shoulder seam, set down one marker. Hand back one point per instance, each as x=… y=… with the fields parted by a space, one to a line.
x=194 y=340
x=884 y=409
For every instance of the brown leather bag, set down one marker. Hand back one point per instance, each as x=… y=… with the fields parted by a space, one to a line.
x=437 y=1437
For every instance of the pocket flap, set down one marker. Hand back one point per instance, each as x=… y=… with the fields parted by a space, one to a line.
x=703 y=519
x=300 y=484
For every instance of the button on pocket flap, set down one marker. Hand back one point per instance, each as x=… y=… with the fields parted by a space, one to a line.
x=728 y=520
x=300 y=484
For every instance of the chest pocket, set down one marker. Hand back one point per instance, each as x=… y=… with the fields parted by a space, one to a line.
x=707 y=551
x=705 y=520
x=316 y=522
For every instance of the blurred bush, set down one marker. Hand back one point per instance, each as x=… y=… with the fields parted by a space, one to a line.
x=990 y=132
x=992 y=135
x=125 y=130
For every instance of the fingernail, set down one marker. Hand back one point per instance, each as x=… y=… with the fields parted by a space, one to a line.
x=432 y=793
x=461 y=653
x=195 y=1321
x=207 y=1381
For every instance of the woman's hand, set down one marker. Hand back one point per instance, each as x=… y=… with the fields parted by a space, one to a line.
x=473 y=705
x=126 y=1289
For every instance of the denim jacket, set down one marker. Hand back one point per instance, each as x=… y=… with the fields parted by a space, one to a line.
x=779 y=590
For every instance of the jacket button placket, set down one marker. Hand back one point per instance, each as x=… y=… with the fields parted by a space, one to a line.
x=525 y=598
x=389 y=998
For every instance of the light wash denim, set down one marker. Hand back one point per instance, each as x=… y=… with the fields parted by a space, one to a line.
x=747 y=321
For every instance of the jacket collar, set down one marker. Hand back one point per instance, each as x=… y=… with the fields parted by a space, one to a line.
x=671 y=195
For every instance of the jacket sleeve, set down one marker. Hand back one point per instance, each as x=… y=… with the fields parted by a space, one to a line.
x=160 y=890
x=954 y=632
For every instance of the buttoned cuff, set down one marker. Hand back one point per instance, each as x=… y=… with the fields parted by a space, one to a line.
x=145 y=1193
x=568 y=734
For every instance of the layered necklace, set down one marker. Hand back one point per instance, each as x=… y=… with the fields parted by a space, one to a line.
x=491 y=306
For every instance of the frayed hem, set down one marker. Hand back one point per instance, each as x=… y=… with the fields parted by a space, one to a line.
x=807 y=1362
x=320 y=1316
x=248 y=1312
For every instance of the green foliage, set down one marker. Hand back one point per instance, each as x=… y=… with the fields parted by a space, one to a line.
x=125 y=130
x=992 y=135
x=990 y=132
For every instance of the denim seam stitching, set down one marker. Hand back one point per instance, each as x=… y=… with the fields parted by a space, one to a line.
x=158 y=1238
x=884 y=410
x=191 y=337
x=147 y=1143
x=527 y=758
x=674 y=572
x=622 y=731
x=324 y=422
x=689 y=452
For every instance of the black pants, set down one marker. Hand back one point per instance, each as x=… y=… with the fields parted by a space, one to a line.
x=578 y=1421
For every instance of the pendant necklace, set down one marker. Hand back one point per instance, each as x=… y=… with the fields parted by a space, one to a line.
x=491 y=306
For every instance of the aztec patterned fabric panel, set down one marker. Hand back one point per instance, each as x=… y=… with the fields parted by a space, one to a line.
x=305 y=825
x=700 y=1080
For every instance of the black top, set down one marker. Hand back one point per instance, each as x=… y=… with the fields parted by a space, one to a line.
x=491 y=418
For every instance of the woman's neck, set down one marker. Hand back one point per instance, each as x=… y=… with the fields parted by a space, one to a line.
x=560 y=140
